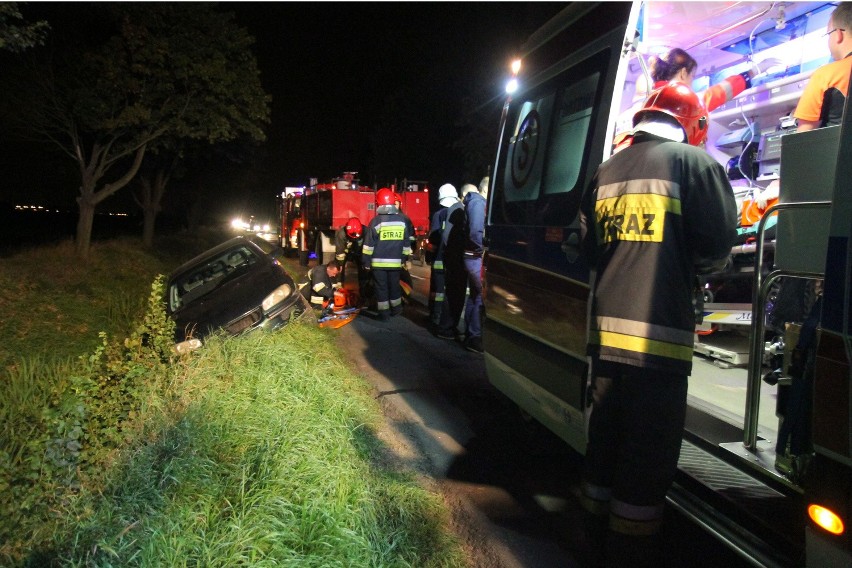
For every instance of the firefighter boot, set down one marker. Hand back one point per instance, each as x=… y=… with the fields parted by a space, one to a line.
x=384 y=315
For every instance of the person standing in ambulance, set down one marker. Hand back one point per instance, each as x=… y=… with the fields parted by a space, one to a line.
x=656 y=214
x=822 y=101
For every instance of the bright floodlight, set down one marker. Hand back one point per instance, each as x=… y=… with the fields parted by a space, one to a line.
x=516 y=66
x=237 y=223
x=512 y=86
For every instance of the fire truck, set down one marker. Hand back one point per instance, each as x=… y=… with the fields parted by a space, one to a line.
x=325 y=207
x=290 y=218
x=415 y=204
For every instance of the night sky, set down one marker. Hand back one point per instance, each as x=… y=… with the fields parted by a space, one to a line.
x=381 y=88
x=339 y=71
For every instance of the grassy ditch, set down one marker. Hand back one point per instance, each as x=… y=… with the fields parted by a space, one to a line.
x=256 y=450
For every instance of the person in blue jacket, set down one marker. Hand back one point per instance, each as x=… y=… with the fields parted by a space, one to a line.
x=473 y=199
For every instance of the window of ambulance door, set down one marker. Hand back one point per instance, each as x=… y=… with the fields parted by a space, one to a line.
x=545 y=150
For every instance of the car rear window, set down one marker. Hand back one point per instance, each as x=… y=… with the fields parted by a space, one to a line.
x=204 y=276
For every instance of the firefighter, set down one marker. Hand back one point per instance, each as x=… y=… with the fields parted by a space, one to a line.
x=348 y=245
x=455 y=276
x=656 y=214
x=387 y=246
x=447 y=197
x=321 y=284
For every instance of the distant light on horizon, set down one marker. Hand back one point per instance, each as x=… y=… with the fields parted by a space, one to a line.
x=43 y=209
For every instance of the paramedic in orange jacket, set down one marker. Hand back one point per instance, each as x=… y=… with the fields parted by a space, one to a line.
x=822 y=101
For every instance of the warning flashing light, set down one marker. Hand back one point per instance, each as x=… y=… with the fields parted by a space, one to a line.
x=826 y=518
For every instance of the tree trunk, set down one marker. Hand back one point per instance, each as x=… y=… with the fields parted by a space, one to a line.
x=149 y=220
x=89 y=197
x=151 y=202
x=84 y=228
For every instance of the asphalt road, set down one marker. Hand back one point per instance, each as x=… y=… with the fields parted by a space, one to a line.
x=511 y=485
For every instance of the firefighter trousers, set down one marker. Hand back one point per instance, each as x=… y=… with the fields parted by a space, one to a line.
x=634 y=437
x=436 y=295
x=388 y=291
x=455 y=288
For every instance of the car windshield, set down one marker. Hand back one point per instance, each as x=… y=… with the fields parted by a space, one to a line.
x=205 y=276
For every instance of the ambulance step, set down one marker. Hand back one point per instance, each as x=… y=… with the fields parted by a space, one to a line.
x=738 y=509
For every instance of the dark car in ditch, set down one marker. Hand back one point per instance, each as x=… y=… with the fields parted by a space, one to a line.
x=237 y=286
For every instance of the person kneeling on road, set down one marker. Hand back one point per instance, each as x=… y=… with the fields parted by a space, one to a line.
x=322 y=281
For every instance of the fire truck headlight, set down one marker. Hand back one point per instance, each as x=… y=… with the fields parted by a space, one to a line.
x=512 y=86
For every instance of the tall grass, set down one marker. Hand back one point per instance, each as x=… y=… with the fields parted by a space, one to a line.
x=257 y=450
x=265 y=456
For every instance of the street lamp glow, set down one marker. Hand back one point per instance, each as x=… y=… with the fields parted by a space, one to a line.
x=512 y=86
x=516 y=66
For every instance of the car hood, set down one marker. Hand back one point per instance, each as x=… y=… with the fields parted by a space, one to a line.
x=236 y=296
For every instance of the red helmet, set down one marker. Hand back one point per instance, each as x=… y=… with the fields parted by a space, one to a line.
x=354 y=228
x=385 y=196
x=677 y=100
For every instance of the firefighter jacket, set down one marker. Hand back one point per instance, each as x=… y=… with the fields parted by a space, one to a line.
x=434 y=238
x=320 y=286
x=453 y=233
x=345 y=247
x=655 y=215
x=387 y=241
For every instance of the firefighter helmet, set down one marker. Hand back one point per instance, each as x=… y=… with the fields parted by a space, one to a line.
x=385 y=196
x=447 y=195
x=354 y=228
x=678 y=101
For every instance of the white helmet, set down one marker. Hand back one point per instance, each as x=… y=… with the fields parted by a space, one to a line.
x=447 y=195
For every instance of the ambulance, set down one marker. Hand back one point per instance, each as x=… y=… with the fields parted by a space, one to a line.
x=766 y=456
